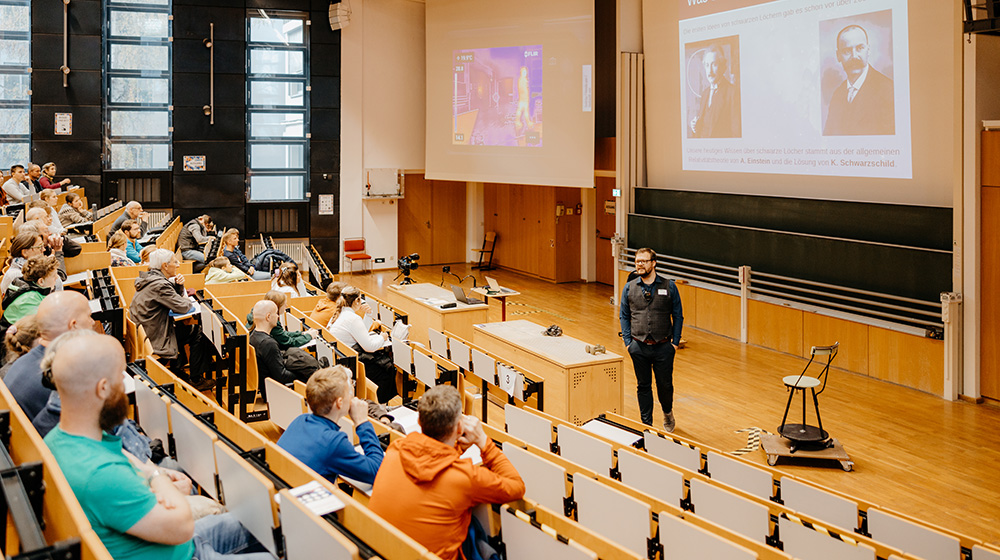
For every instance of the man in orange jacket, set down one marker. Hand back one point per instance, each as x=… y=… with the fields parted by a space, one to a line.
x=426 y=491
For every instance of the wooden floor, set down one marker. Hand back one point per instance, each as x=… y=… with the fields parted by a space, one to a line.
x=913 y=452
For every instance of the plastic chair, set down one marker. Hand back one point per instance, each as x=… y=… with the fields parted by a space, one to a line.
x=489 y=243
x=354 y=250
x=804 y=433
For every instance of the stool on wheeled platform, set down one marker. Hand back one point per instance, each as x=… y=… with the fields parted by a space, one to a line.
x=811 y=436
x=811 y=441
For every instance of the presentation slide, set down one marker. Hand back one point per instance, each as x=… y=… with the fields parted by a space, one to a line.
x=795 y=87
x=498 y=97
x=510 y=92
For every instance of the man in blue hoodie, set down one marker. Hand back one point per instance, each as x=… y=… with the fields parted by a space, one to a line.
x=317 y=440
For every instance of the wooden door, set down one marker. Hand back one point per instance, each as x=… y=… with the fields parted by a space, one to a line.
x=414 y=217
x=447 y=222
x=605 y=224
x=989 y=267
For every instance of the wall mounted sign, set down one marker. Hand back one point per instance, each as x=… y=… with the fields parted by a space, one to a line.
x=326 y=205
x=194 y=163
x=64 y=124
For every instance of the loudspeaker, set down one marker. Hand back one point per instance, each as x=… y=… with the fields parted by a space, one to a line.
x=340 y=15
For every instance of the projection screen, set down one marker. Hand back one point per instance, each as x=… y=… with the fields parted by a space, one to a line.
x=833 y=99
x=510 y=91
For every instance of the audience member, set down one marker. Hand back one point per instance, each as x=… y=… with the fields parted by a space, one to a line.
x=285 y=339
x=48 y=178
x=426 y=490
x=288 y=280
x=194 y=236
x=135 y=519
x=38 y=276
x=144 y=254
x=20 y=338
x=221 y=271
x=231 y=250
x=30 y=181
x=158 y=292
x=58 y=313
x=349 y=327
x=133 y=211
x=270 y=362
x=326 y=308
x=51 y=198
x=132 y=232
x=118 y=247
x=316 y=439
x=74 y=211
x=25 y=245
x=13 y=188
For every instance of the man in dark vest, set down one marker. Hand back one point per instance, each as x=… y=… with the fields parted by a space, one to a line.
x=194 y=236
x=651 y=320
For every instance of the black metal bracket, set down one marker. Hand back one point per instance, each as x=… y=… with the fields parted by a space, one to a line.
x=168 y=388
x=653 y=548
x=257 y=454
x=68 y=549
x=208 y=417
x=5 y=428
x=449 y=376
x=615 y=473
x=569 y=507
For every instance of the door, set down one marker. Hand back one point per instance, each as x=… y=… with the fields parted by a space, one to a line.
x=605 y=229
x=414 y=217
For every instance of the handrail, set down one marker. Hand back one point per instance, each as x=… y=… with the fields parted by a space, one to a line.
x=897 y=309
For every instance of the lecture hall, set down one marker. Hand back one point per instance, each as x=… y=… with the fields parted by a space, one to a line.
x=422 y=279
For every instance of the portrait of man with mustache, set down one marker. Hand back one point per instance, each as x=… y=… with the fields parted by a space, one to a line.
x=863 y=104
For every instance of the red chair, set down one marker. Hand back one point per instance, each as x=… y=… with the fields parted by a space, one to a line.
x=354 y=250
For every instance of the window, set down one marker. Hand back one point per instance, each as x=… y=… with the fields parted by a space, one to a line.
x=277 y=105
x=137 y=78
x=15 y=83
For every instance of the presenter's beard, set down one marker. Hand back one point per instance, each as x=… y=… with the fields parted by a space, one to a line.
x=114 y=411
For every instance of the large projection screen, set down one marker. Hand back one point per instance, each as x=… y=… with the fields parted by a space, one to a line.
x=838 y=99
x=510 y=91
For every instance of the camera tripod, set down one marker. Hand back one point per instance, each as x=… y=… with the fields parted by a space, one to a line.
x=406 y=278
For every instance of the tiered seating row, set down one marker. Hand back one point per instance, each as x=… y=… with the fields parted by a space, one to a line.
x=247 y=471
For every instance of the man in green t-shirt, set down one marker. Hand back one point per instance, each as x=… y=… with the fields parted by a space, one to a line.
x=138 y=514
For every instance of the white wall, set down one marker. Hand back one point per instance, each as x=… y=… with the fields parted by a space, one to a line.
x=382 y=113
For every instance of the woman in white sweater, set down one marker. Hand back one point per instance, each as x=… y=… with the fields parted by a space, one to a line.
x=349 y=326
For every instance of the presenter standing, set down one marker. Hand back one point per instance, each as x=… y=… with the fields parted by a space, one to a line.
x=651 y=320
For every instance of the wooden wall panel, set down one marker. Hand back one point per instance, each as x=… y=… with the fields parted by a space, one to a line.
x=689 y=303
x=528 y=238
x=990 y=159
x=909 y=360
x=821 y=330
x=718 y=313
x=774 y=326
x=989 y=269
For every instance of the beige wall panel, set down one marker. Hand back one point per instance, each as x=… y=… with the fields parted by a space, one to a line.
x=820 y=330
x=906 y=359
x=775 y=326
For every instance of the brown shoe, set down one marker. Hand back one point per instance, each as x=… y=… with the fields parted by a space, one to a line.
x=668 y=422
x=203 y=384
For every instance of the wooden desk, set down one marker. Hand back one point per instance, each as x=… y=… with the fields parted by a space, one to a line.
x=578 y=386
x=422 y=315
x=502 y=296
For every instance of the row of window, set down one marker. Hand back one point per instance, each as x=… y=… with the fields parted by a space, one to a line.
x=137 y=85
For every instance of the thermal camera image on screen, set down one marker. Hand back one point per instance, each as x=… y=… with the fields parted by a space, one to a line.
x=497 y=99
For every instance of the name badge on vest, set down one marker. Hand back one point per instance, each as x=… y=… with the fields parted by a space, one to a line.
x=662 y=291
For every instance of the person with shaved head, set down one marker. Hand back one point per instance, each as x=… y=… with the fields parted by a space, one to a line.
x=137 y=513
x=59 y=312
x=270 y=362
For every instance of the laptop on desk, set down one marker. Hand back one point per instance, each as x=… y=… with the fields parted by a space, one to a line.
x=495 y=286
x=460 y=296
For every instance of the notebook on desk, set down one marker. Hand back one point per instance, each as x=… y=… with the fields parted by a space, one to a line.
x=495 y=286
x=460 y=296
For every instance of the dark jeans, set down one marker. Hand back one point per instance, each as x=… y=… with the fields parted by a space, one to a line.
x=201 y=349
x=650 y=360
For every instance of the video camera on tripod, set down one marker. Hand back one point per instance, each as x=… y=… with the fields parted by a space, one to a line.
x=406 y=264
